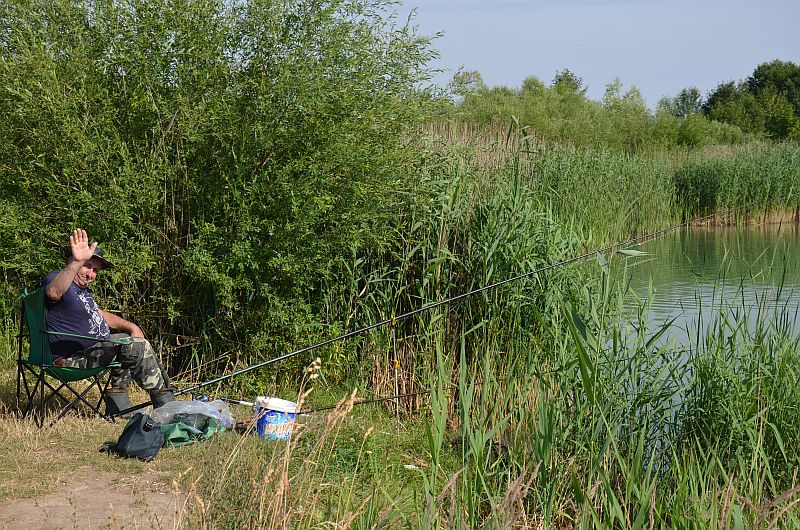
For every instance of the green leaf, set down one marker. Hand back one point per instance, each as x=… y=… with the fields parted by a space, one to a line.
x=578 y=331
x=632 y=253
x=603 y=262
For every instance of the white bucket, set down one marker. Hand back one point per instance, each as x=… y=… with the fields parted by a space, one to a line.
x=275 y=417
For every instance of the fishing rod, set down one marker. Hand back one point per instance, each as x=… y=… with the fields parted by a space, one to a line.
x=380 y=399
x=357 y=401
x=396 y=318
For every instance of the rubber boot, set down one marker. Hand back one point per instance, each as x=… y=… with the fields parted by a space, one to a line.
x=161 y=397
x=116 y=400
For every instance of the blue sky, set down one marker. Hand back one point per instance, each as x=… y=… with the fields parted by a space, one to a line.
x=657 y=46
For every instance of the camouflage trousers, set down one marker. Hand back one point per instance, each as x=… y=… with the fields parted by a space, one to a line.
x=139 y=363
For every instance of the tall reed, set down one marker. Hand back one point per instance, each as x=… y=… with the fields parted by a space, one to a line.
x=607 y=427
x=626 y=432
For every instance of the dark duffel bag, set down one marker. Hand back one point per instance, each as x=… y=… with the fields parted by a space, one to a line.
x=141 y=438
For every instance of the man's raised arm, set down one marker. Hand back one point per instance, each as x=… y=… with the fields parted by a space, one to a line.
x=81 y=251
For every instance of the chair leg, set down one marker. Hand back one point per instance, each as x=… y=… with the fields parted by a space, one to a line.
x=106 y=415
x=32 y=381
x=37 y=408
x=39 y=418
x=19 y=388
x=20 y=368
x=32 y=392
x=20 y=382
x=72 y=404
x=29 y=396
x=80 y=397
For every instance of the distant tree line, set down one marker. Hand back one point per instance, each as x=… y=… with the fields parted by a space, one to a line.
x=767 y=102
x=765 y=105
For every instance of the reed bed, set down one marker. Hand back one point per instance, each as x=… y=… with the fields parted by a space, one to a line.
x=562 y=420
x=499 y=203
x=603 y=429
x=608 y=194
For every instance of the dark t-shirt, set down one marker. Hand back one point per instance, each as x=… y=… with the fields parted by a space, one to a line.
x=76 y=313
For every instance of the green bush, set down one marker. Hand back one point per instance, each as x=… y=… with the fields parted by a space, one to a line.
x=225 y=153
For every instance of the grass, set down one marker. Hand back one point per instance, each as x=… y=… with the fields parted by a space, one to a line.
x=583 y=434
x=39 y=462
x=542 y=413
x=333 y=462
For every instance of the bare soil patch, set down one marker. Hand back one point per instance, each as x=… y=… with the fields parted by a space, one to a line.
x=89 y=499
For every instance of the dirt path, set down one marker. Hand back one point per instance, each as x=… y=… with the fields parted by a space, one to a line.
x=90 y=500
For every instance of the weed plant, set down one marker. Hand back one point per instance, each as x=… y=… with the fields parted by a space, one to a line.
x=605 y=429
x=261 y=175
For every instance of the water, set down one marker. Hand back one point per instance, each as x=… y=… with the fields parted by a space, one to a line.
x=699 y=274
x=697 y=277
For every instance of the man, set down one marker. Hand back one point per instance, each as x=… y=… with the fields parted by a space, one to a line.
x=72 y=309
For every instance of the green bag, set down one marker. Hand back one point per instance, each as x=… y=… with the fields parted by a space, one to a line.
x=189 y=428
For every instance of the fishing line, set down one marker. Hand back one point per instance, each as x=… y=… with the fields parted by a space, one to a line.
x=367 y=401
x=394 y=319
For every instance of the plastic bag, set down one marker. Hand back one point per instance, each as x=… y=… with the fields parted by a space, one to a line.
x=217 y=409
x=179 y=433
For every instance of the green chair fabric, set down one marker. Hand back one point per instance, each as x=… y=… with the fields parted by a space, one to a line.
x=36 y=368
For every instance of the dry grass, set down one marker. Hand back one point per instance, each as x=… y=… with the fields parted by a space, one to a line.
x=345 y=465
x=337 y=467
x=37 y=461
x=780 y=215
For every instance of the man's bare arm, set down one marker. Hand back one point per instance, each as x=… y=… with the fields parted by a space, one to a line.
x=81 y=251
x=119 y=323
x=59 y=285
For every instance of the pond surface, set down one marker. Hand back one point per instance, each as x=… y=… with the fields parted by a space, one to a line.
x=697 y=275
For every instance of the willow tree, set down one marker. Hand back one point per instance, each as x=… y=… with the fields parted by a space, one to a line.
x=226 y=152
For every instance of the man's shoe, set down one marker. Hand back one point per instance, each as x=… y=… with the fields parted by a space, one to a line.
x=117 y=400
x=161 y=397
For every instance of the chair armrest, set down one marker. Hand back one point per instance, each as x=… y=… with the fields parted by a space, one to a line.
x=123 y=341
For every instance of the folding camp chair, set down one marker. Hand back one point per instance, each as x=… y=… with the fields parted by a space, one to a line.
x=33 y=372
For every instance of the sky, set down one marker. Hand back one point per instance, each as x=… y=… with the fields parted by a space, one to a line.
x=658 y=46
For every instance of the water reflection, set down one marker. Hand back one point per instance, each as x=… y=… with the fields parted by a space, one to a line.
x=698 y=274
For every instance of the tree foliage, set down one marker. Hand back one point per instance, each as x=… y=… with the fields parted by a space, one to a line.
x=763 y=105
x=561 y=112
x=689 y=101
x=566 y=82
x=225 y=152
x=767 y=102
x=466 y=82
